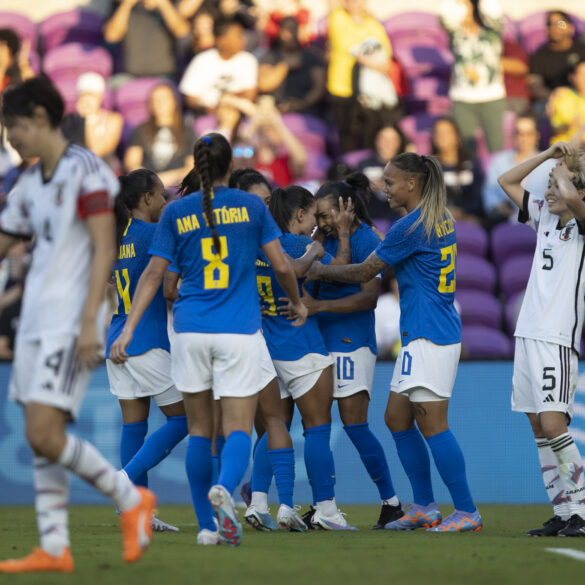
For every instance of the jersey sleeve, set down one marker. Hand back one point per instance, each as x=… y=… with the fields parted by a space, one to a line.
x=400 y=243
x=99 y=187
x=531 y=210
x=164 y=242
x=270 y=231
x=296 y=246
x=14 y=219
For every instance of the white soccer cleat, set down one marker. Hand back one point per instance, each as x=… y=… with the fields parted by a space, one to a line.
x=207 y=537
x=160 y=526
x=260 y=520
x=288 y=519
x=336 y=521
x=230 y=528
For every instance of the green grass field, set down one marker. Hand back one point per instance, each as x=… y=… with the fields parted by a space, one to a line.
x=500 y=554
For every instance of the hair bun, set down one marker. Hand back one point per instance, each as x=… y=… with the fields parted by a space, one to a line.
x=358 y=180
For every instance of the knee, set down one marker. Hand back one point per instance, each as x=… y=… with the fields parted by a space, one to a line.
x=553 y=427
x=395 y=423
x=537 y=429
x=353 y=418
x=45 y=440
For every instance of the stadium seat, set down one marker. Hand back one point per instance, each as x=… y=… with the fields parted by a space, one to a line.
x=67 y=87
x=415 y=27
x=131 y=99
x=74 y=59
x=479 y=308
x=532 y=30
x=510 y=29
x=514 y=273
x=480 y=342
x=424 y=60
x=354 y=157
x=74 y=26
x=475 y=273
x=511 y=239
x=471 y=239
x=20 y=24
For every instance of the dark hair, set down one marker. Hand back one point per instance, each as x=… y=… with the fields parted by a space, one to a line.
x=244 y=178
x=22 y=99
x=404 y=141
x=285 y=202
x=477 y=16
x=133 y=187
x=564 y=15
x=292 y=24
x=213 y=156
x=462 y=154
x=357 y=186
x=11 y=39
x=177 y=127
x=222 y=24
x=190 y=183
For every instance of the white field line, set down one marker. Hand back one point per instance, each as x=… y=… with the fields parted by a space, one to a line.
x=578 y=555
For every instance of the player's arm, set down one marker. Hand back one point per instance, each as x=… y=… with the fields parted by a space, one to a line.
x=148 y=283
x=511 y=180
x=6 y=242
x=102 y=232
x=171 y=286
x=362 y=272
x=286 y=278
x=571 y=195
x=364 y=300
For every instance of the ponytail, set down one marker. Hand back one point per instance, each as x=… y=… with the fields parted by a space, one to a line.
x=284 y=203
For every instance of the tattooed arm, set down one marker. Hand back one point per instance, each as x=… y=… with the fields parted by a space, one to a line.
x=363 y=272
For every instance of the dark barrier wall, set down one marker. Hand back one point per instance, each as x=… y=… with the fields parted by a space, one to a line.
x=501 y=457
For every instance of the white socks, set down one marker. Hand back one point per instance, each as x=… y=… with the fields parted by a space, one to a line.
x=570 y=466
x=552 y=479
x=260 y=501
x=327 y=507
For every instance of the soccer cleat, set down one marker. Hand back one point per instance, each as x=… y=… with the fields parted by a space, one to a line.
x=388 y=514
x=417 y=517
x=550 y=528
x=260 y=520
x=288 y=519
x=246 y=493
x=39 y=561
x=335 y=522
x=308 y=516
x=230 y=528
x=575 y=527
x=137 y=527
x=207 y=537
x=160 y=526
x=459 y=522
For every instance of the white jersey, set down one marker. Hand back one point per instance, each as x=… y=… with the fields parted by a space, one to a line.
x=54 y=212
x=552 y=309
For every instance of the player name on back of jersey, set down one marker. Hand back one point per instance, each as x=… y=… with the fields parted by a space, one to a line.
x=444 y=227
x=126 y=251
x=222 y=216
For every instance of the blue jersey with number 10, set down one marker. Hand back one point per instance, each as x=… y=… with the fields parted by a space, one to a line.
x=425 y=271
x=218 y=292
x=132 y=259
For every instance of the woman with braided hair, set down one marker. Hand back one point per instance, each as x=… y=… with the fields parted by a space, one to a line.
x=213 y=236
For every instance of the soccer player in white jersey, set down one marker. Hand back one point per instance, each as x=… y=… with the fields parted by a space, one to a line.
x=64 y=202
x=549 y=327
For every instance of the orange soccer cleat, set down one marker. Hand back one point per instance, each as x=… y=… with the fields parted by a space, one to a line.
x=136 y=526
x=39 y=561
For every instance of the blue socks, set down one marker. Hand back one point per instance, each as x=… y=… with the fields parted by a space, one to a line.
x=261 y=466
x=451 y=465
x=373 y=457
x=319 y=462
x=132 y=439
x=219 y=443
x=199 y=469
x=283 y=463
x=157 y=447
x=234 y=460
x=414 y=457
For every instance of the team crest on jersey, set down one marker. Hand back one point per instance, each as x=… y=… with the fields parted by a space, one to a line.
x=60 y=187
x=566 y=233
x=539 y=203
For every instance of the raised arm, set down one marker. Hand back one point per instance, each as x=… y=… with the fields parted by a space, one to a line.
x=571 y=195
x=115 y=28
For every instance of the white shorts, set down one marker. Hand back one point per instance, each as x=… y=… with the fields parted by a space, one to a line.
x=142 y=376
x=267 y=370
x=545 y=377
x=424 y=365
x=46 y=371
x=227 y=363
x=297 y=377
x=353 y=372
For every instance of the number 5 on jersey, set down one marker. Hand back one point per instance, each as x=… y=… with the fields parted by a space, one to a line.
x=216 y=274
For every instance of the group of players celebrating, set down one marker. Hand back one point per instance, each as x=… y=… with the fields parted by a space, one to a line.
x=273 y=295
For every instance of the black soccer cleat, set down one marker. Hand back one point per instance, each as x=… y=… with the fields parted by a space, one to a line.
x=575 y=527
x=388 y=513
x=550 y=528
x=308 y=516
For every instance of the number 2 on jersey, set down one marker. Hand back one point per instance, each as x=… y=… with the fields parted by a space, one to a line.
x=265 y=291
x=123 y=290
x=216 y=274
x=448 y=272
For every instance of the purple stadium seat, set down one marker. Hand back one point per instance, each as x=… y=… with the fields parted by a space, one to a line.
x=416 y=27
x=513 y=274
x=510 y=239
x=510 y=29
x=74 y=59
x=317 y=167
x=475 y=273
x=355 y=157
x=75 y=26
x=479 y=308
x=300 y=124
x=20 y=24
x=132 y=98
x=424 y=60
x=204 y=124
x=67 y=86
x=471 y=239
x=383 y=225
x=481 y=342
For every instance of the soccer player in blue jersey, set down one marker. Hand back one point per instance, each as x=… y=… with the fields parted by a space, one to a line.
x=214 y=236
x=422 y=248
x=345 y=313
x=147 y=372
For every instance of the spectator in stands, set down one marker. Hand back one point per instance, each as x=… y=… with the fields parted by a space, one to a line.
x=477 y=82
x=496 y=203
x=147 y=30
x=295 y=76
x=280 y=9
x=566 y=107
x=462 y=175
x=225 y=70
x=92 y=126
x=551 y=63
x=202 y=32
x=515 y=68
x=163 y=144
x=14 y=64
x=361 y=92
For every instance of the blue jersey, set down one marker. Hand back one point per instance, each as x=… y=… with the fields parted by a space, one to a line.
x=347 y=332
x=284 y=341
x=218 y=293
x=133 y=257
x=425 y=271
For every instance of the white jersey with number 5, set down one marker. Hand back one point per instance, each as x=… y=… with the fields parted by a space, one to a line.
x=54 y=212
x=553 y=305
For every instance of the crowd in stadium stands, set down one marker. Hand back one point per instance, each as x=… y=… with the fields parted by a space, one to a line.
x=304 y=99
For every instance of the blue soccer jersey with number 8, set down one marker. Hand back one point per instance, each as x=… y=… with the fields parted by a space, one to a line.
x=218 y=292
x=425 y=271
